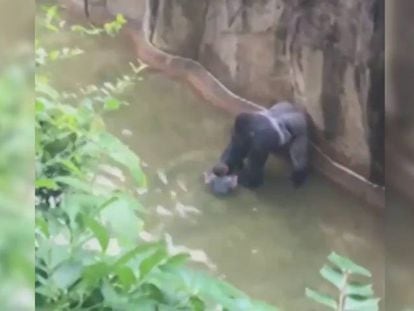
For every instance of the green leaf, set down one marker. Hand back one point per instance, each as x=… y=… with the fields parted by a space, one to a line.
x=122 y=220
x=67 y=274
x=138 y=250
x=75 y=183
x=111 y=104
x=120 y=19
x=98 y=230
x=53 y=55
x=176 y=261
x=321 y=298
x=113 y=298
x=77 y=203
x=39 y=106
x=197 y=304
x=51 y=11
x=348 y=265
x=96 y=272
x=151 y=262
x=57 y=255
x=361 y=304
x=333 y=276
x=46 y=183
x=42 y=225
x=70 y=166
x=353 y=288
x=126 y=276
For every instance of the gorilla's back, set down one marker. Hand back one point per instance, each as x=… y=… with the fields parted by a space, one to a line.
x=290 y=116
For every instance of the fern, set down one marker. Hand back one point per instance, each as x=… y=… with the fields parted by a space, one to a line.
x=344 y=275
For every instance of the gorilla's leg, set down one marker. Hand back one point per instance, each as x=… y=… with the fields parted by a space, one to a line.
x=252 y=175
x=298 y=152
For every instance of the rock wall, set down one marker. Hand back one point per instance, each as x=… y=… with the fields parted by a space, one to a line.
x=319 y=53
x=324 y=54
x=131 y=9
x=400 y=111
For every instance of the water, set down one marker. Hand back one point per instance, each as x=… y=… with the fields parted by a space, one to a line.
x=270 y=242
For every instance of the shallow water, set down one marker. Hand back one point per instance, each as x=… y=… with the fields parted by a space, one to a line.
x=270 y=242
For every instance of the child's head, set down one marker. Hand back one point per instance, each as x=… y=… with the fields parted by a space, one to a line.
x=220 y=169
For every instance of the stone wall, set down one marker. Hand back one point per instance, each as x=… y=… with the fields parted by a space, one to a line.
x=131 y=9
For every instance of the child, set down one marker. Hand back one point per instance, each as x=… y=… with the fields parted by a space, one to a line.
x=220 y=183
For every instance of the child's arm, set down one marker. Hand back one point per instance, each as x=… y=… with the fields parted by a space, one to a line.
x=208 y=177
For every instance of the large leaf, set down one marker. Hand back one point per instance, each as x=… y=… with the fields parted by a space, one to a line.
x=176 y=261
x=321 y=298
x=333 y=276
x=126 y=277
x=98 y=230
x=46 y=183
x=122 y=220
x=361 y=304
x=75 y=204
x=353 y=288
x=143 y=249
x=112 y=298
x=348 y=265
x=92 y=274
x=75 y=183
x=152 y=261
x=67 y=273
x=197 y=304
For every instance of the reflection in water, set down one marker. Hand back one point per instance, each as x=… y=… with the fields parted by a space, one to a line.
x=270 y=242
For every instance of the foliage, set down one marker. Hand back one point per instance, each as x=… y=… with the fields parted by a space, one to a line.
x=16 y=200
x=353 y=294
x=89 y=255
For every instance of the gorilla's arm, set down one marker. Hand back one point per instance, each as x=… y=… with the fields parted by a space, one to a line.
x=235 y=153
x=298 y=152
x=252 y=175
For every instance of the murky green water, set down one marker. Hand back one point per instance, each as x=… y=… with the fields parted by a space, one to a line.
x=270 y=242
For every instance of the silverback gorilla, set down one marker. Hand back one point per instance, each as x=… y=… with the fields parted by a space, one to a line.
x=280 y=129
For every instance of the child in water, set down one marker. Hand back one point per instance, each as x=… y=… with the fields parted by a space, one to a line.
x=219 y=182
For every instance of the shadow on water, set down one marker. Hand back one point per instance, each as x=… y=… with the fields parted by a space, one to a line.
x=270 y=242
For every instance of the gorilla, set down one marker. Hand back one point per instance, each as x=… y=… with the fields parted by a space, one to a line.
x=282 y=129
